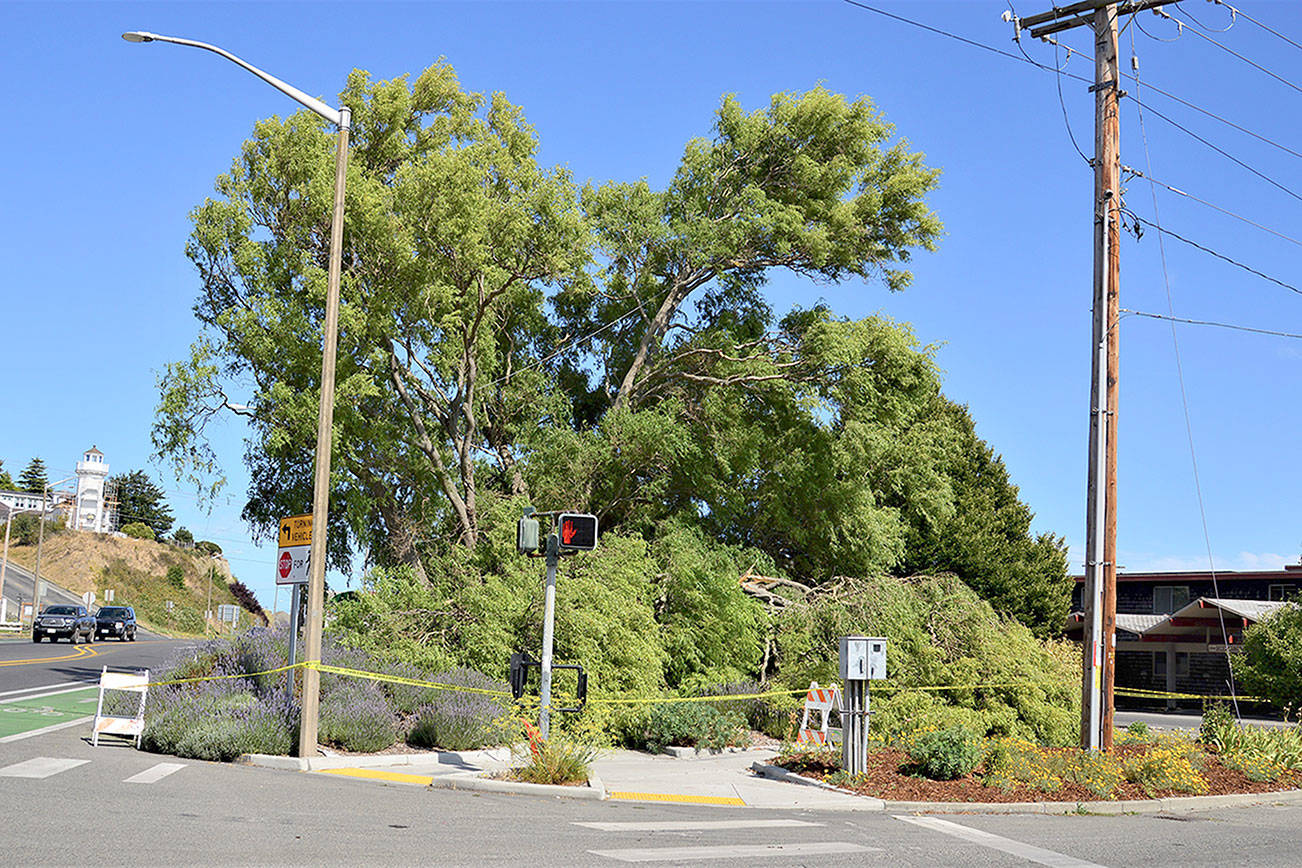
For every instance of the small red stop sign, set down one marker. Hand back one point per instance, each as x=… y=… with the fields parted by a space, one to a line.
x=286 y=562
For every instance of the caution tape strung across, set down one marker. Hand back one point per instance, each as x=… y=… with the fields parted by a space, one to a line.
x=1137 y=693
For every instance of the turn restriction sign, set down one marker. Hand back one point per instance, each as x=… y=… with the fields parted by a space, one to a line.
x=295 y=545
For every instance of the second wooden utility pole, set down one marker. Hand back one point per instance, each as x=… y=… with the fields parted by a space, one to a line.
x=1100 y=594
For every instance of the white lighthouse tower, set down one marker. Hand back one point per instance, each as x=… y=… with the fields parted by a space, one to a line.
x=88 y=511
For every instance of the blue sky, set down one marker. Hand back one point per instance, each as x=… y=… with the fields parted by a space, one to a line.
x=110 y=145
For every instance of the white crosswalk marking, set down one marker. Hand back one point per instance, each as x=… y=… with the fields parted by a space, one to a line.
x=733 y=851
x=155 y=773
x=694 y=825
x=1029 y=852
x=40 y=767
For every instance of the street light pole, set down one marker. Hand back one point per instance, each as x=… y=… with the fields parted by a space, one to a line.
x=40 y=539
x=342 y=119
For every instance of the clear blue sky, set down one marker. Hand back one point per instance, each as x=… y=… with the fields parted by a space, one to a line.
x=109 y=145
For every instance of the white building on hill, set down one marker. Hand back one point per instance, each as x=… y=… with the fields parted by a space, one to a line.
x=92 y=508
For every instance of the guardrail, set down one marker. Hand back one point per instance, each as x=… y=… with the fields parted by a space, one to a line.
x=11 y=627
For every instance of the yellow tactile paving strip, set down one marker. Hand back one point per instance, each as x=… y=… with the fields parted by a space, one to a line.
x=381 y=775
x=671 y=797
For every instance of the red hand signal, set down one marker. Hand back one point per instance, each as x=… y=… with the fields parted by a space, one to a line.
x=567 y=531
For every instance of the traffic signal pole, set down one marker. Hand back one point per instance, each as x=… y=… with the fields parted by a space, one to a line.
x=549 y=616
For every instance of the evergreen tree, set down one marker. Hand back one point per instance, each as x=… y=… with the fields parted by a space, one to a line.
x=141 y=501
x=6 y=481
x=33 y=478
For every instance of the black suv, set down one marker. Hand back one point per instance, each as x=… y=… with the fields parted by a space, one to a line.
x=73 y=622
x=119 y=621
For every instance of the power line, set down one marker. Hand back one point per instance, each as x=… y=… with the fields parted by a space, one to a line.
x=1138 y=174
x=1205 y=322
x=1184 y=394
x=1241 y=14
x=1028 y=60
x=1197 y=31
x=1205 y=249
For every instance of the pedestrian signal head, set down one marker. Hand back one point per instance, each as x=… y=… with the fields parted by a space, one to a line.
x=577 y=532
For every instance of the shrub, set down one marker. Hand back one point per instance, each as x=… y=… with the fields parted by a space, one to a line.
x=212 y=721
x=947 y=754
x=1138 y=730
x=139 y=530
x=176 y=577
x=357 y=718
x=557 y=760
x=462 y=720
x=1262 y=754
x=769 y=715
x=1166 y=768
x=693 y=724
x=207 y=547
x=1271 y=663
x=183 y=537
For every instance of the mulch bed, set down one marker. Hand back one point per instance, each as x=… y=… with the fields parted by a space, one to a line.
x=887 y=778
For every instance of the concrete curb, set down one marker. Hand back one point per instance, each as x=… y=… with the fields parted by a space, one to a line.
x=319 y=763
x=778 y=773
x=1173 y=804
x=473 y=781
x=696 y=752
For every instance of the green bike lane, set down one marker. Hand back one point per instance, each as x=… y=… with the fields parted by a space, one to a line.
x=27 y=714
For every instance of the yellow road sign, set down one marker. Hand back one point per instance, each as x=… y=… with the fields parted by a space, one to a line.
x=296 y=530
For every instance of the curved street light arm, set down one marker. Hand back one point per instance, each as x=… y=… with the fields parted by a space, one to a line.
x=334 y=116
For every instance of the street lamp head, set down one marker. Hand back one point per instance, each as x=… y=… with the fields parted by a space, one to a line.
x=139 y=36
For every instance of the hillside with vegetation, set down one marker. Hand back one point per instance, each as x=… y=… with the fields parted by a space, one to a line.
x=142 y=573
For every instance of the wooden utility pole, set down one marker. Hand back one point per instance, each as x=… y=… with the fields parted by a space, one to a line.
x=1100 y=595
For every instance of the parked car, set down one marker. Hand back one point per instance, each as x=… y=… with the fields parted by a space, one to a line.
x=119 y=621
x=72 y=622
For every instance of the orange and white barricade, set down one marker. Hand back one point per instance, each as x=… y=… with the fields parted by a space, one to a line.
x=821 y=699
x=131 y=727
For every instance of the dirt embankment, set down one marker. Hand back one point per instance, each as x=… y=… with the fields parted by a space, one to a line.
x=76 y=561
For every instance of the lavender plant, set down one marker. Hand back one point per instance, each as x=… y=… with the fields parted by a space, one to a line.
x=457 y=720
x=356 y=717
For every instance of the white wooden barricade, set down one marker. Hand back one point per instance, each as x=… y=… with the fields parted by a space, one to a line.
x=824 y=700
x=131 y=727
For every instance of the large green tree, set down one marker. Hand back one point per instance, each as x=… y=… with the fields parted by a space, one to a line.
x=141 y=501
x=6 y=481
x=34 y=477
x=453 y=232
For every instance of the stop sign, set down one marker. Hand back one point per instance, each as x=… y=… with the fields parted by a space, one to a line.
x=286 y=563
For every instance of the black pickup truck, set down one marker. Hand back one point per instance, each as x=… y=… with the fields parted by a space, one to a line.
x=71 y=622
x=119 y=621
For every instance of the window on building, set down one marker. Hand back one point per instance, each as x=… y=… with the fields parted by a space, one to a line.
x=1159 y=664
x=1283 y=592
x=1181 y=663
x=1168 y=598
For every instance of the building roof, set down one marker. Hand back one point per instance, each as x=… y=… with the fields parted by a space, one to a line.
x=1290 y=573
x=1195 y=618
x=93 y=451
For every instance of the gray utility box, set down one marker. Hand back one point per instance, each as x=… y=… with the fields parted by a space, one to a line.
x=863 y=657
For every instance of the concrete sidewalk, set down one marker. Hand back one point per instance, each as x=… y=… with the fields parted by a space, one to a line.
x=722 y=779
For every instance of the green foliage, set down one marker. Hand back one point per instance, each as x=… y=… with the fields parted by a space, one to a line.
x=356 y=716
x=940 y=634
x=6 y=481
x=141 y=501
x=138 y=530
x=457 y=720
x=207 y=547
x=183 y=537
x=143 y=590
x=692 y=724
x=558 y=760
x=947 y=754
x=1137 y=730
x=216 y=725
x=1261 y=753
x=33 y=479
x=1271 y=663
x=26 y=528
x=176 y=576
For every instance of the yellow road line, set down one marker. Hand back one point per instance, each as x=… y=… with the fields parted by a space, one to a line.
x=86 y=651
x=379 y=775
x=670 y=797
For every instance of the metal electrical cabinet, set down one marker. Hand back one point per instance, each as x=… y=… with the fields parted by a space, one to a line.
x=863 y=658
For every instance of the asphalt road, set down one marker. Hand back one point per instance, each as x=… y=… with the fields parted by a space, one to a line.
x=69 y=803
x=25 y=665
x=18 y=589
